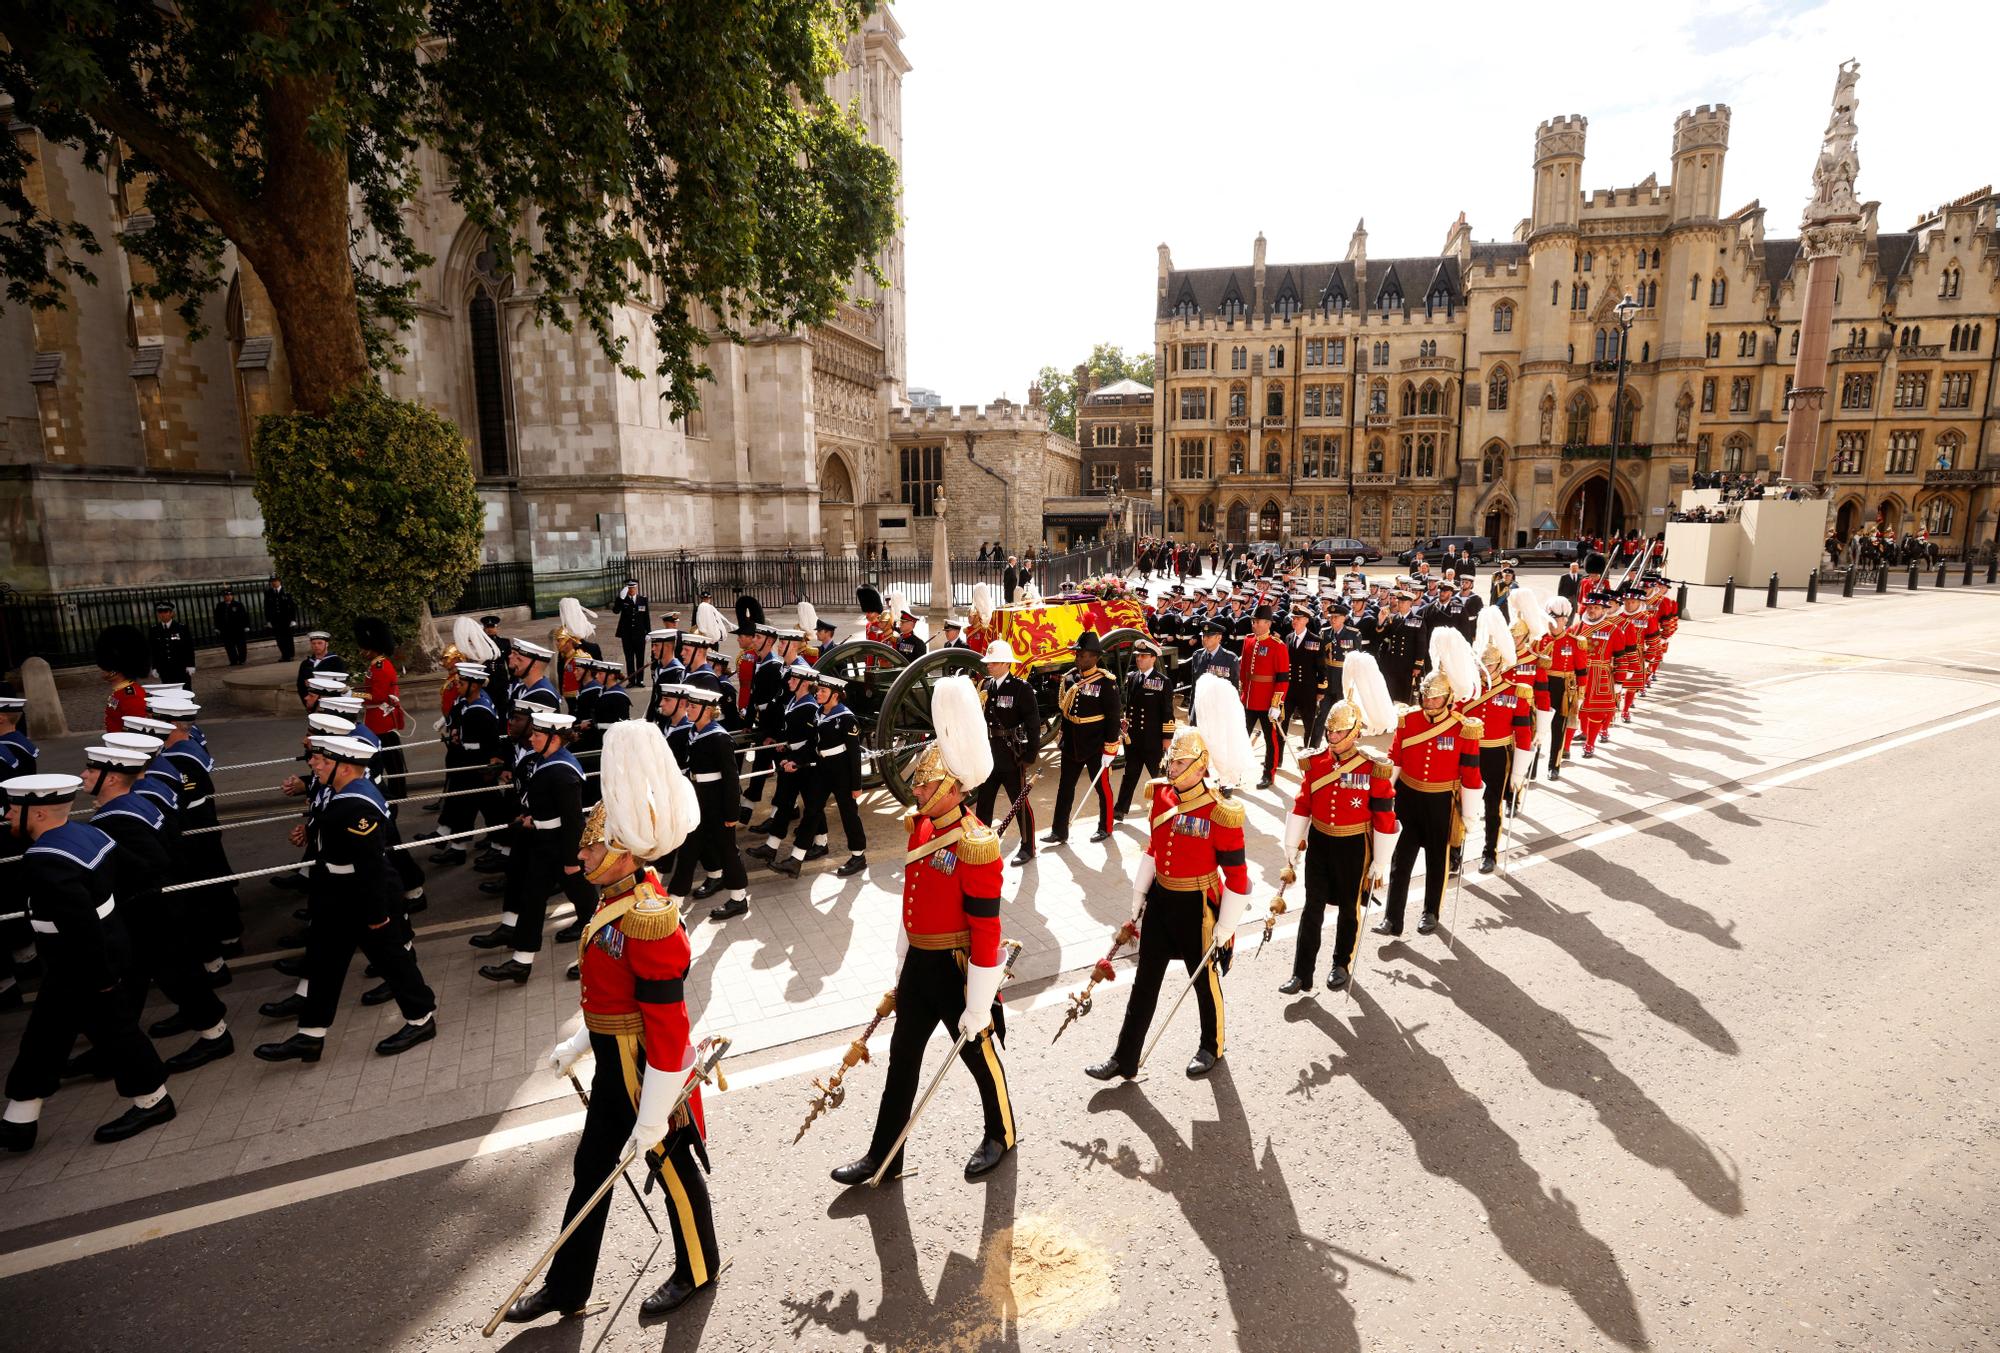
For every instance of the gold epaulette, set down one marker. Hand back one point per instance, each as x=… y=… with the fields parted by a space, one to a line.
x=1468 y=721
x=1227 y=813
x=654 y=916
x=1524 y=688
x=979 y=845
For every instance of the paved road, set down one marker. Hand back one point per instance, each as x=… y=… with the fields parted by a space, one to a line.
x=1709 y=1069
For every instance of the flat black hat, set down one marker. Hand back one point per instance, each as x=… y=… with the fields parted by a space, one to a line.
x=1214 y=627
x=1087 y=642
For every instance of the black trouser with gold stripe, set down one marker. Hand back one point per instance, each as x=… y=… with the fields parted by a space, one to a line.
x=1176 y=925
x=1559 y=722
x=607 y=1126
x=1494 y=766
x=1336 y=867
x=931 y=991
x=1263 y=730
x=1009 y=774
x=1425 y=825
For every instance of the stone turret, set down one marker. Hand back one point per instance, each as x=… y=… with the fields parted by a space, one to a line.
x=1166 y=267
x=1701 y=138
x=1257 y=275
x=1558 y=173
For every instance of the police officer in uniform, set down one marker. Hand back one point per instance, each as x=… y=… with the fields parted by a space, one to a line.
x=635 y=622
x=1149 y=724
x=1013 y=733
x=1090 y=721
x=172 y=650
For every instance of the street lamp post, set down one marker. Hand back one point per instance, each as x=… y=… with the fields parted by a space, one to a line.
x=1624 y=311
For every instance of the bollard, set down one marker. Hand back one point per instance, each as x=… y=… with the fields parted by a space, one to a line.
x=1940 y=581
x=1993 y=567
x=1966 y=581
x=1847 y=582
x=1681 y=602
x=1913 y=575
x=1812 y=586
x=1771 y=594
x=1882 y=578
x=1729 y=596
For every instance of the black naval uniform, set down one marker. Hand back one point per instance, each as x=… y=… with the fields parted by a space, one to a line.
x=1336 y=646
x=797 y=744
x=352 y=884
x=310 y=666
x=1149 y=727
x=1013 y=732
x=1400 y=647
x=157 y=921
x=1089 y=725
x=1309 y=676
x=474 y=755
x=214 y=907
x=836 y=770
x=767 y=723
x=635 y=622
x=712 y=767
x=172 y=652
x=552 y=801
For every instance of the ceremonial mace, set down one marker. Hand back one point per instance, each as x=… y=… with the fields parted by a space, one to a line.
x=704 y=1070
x=1278 y=908
x=1013 y=952
x=831 y=1094
x=1079 y=1002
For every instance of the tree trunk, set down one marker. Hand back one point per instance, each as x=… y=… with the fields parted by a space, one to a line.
x=425 y=651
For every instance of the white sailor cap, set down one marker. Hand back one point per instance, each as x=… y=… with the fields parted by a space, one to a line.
x=343 y=705
x=12 y=704
x=327 y=685
x=158 y=688
x=143 y=742
x=41 y=790
x=116 y=758
x=351 y=750
x=319 y=634
x=332 y=725
x=473 y=671
x=532 y=649
x=700 y=695
x=138 y=723
x=797 y=635
x=954 y=622
x=672 y=690
x=800 y=668
x=661 y=636
x=180 y=711
x=830 y=681
x=551 y=720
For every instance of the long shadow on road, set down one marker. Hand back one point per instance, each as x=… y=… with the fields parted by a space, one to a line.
x=1621 y=883
x=1457 y=1139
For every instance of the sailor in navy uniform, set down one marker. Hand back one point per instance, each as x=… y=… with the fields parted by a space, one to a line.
x=771 y=696
x=473 y=756
x=66 y=881
x=320 y=659
x=551 y=813
x=712 y=766
x=528 y=662
x=795 y=753
x=836 y=771
x=213 y=908
x=353 y=888
x=667 y=668
x=18 y=755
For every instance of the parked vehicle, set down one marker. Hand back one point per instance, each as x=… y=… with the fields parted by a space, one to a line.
x=1344 y=549
x=1439 y=548
x=1549 y=551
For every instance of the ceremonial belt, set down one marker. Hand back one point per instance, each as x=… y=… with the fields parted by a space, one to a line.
x=470 y=746
x=1088 y=718
x=49 y=927
x=956 y=939
x=704 y=777
x=547 y=824
x=1261 y=680
x=1496 y=742
x=1346 y=829
x=1436 y=730
x=1429 y=786
x=933 y=846
x=1335 y=774
x=624 y=1022
x=1196 y=883
x=340 y=869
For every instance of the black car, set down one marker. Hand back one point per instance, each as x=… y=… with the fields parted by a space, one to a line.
x=1438 y=549
x=1549 y=551
x=1344 y=549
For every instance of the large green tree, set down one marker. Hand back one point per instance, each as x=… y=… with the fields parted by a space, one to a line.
x=1107 y=363
x=682 y=153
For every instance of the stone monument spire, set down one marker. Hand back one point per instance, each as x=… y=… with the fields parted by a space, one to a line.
x=1831 y=215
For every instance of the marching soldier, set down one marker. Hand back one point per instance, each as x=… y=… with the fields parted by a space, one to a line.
x=66 y=880
x=121 y=657
x=383 y=713
x=551 y=815
x=1264 y=674
x=878 y=626
x=1149 y=724
x=172 y=650
x=1211 y=657
x=1559 y=649
x=1346 y=802
x=474 y=757
x=614 y=701
x=1436 y=752
x=1667 y=612
x=712 y=768
x=1307 y=690
x=635 y=623
x=320 y=659
x=1505 y=714
x=771 y=689
x=215 y=906
x=836 y=771
x=1192 y=884
x=1013 y=732
x=1342 y=638
x=1399 y=642
x=1461 y=610
x=1090 y=716
x=18 y=755
x=633 y=963
x=667 y=669
x=1603 y=655
x=795 y=743
x=952 y=883
x=1642 y=637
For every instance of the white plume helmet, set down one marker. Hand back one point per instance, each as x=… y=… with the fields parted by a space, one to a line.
x=960 y=723
x=1491 y=635
x=895 y=603
x=982 y=601
x=1526 y=606
x=576 y=618
x=709 y=623
x=1362 y=686
x=1558 y=609
x=649 y=804
x=808 y=618
x=1218 y=710
x=468 y=638
x=1451 y=657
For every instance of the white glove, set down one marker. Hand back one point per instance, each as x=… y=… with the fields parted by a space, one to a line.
x=1295 y=835
x=1378 y=858
x=1471 y=806
x=1109 y=757
x=569 y=1052
x=1228 y=915
x=656 y=1103
x=1544 y=720
x=437 y=725
x=1517 y=771
x=1141 y=881
x=981 y=986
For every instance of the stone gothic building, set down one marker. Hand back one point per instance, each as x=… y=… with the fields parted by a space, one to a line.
x=1472 y=390
x=124 y=447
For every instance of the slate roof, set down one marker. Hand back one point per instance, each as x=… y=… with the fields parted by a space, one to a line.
x=1209 y=288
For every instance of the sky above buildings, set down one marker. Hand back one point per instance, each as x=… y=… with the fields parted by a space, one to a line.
x=1050 y=147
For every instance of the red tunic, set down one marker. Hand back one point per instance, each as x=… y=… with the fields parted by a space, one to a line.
x=881 y=628
x=746 y=671
x=1197 y=842
x=1506 y=713
x=951 y=886
x=633 y=970
x=1670 y=617
x=126 y=698
x=1347 y=796
x=1436 y=755
x=1533 y=672
x=1598 y=658
x=1264 y=672
x=1627 y=651
x=383 y=687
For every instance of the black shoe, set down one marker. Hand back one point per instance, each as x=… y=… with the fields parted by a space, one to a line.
x=292 y=939
x=1264 y=783
x=573 y=973
x=18 y=1136
x=1053 y=840
x=290 y=967
x=289 y=1008
x=500 y=937
x=221 y=977
x=232 y=948
x=86 y=1064
x=1555 y=773
x=730 y=910
x=1099 y=835
x=513 y=970
x=493 y=887
x=1337 y=980
x=370 y=973
x=854 y=865
x=1201 y=1064
x=570 y=933
x=291 y=883
x=791 y=866
x=378 y=995
x=670 y=1295
x=175 y=1023
x=761 y=854
x=491 y=864
x=1106 y=1070
x=815 y=852
x=986 y=1159
x=408 y=1037
x=762 y=828
x=299 y=1047
x=200 y=1053
x=1488 y=863
x=706 y=889
x=857 y=1171
x=1429 y=925
x=447 y=855
x=534 y=1306
x=136 y=1120
x=1292 y=985
x=1386 y=930
x=1589 y=753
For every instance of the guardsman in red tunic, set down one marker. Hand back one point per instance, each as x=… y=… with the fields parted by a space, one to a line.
x=633 y=963
x=1506 y=714
x=952 y=880
x=121 y=656
x=1436 y=753
x=1189 y=892
x=1345 y=816
x=383 y=707
x=1559 y=647
x=1264 y=673
x=1600 y=643
x=1667 y=613
x=1635 y=629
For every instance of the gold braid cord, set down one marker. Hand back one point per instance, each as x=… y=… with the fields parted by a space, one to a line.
x=1278 y=907
x=831 y=1093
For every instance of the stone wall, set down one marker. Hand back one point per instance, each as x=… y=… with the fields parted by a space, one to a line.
x=77 y=528
x=996 y=482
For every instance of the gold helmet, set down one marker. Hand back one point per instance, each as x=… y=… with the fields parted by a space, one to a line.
x=1189 y=743
x=1436 y=685
x=452 y=657
x=593 y=828
x=1494 y=642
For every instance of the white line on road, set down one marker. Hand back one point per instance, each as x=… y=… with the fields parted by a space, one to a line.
x=126 y=1234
